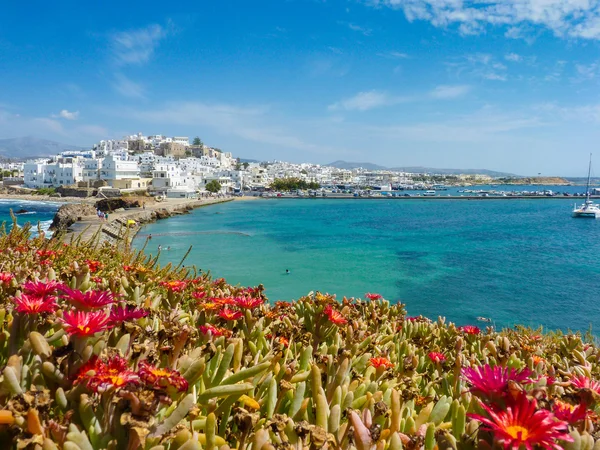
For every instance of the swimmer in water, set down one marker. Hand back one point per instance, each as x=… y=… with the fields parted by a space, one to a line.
x=287 y=271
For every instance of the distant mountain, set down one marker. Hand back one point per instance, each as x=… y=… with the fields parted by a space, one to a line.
x=418 y=169
x=27 y=147
x=243 y=160
x=355 y=165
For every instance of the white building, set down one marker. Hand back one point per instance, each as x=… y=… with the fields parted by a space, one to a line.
x=53 y=173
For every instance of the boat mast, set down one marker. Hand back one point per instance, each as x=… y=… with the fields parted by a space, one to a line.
x=587 y=188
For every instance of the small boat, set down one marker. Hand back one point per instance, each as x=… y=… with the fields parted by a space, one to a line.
x=589 y=209
x=429 y=194
x=484 y=319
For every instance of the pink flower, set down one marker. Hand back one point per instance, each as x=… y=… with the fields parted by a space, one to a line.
x=493 y=381
x=120 y=314
x=470 y=329
x=373 y=296
x=29 y=304
x=92 y=299
x=80 y=323
x=229 y=314
x=521 y=425
x=248 y=302
x=41 y=289
x=581 y=382
x=6 y=278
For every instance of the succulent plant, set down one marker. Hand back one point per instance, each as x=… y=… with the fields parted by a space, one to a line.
x=101 y=348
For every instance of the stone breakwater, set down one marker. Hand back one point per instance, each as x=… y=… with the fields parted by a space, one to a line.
x=79 y=221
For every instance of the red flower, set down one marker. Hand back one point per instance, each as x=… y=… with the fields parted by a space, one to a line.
x=114 y=373
x=94 y=266
x=46 y=254
x=205 y=329
x=569 y=413
x=470 y=329
x=198 y=295
x=334 y=316
x=521 y=425
x=98 y=280
x=224 y=301
x=373 y=296
x=229 y=314
x=80 y=323
x=437 y=357
x=381 y=362
x=6 y=277
x=92 y=299
x=120 y=314
x=493 y=381
x=282 y=340
x=30 y=304
x=248 y=302
x=175 y=285
x=160 y=378
x=41 y=289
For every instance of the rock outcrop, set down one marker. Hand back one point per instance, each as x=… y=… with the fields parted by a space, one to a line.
x=111 y=204
x=68 y=214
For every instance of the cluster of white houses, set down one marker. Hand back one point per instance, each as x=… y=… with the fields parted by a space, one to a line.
x=170 y=166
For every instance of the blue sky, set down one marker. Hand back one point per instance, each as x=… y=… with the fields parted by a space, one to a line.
x=509 y=85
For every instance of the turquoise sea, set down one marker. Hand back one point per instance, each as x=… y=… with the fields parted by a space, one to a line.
x=514 y=261
x=42 y=212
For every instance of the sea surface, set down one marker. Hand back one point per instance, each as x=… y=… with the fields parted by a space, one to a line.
x=514 y=261
x=37 y=212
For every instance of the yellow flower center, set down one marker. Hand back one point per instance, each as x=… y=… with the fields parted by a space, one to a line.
x=84 y=329
x=116 y=380
x=160 y=373
x=517 y=432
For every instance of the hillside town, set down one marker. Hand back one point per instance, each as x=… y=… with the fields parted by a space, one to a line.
x=174 y=167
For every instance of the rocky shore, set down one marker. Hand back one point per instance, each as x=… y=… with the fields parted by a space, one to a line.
x=80 y=220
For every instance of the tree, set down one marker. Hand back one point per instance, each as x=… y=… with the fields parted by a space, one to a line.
x=197 y=141
x=246 y=164
x=213 y=186
x=292 y=184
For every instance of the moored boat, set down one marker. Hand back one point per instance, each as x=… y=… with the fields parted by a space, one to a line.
x=588 y=209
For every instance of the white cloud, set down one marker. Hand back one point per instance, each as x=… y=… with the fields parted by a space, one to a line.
x=513 y=57
x=363 y=101
x=565 y=18
x=586 y=72
x=127 y=87
x=137 y=46
x=65 y=114
x=444 y=92
x=392 y=55
x=479 y=65
x=359 y=29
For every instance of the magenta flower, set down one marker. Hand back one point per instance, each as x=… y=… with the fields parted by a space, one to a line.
x=92 y=299
x=522 y=425
x=120 y=314
x=80 y=323
x=493 y=381
x=581 y=382
x=30 y=304
x=41 y=289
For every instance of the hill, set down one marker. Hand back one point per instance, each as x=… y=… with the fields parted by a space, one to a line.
x=418 y=169
x=26 y=147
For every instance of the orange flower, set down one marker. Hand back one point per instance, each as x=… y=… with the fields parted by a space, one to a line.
x=94 y=266
x=537 y=359
x=209 y=306
x=335 y=316
x=229 y=314
x=114 y=373
x=381 y=362
x=174 y=285
x=159 y=377
x=214 y=331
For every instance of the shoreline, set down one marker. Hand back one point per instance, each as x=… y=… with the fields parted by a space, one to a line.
x=117 y=228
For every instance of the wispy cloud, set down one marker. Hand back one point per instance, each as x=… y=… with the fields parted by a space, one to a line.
x=586 y=72
x=565 y=18
x=358 y=28
x=444 y=92
x=137 y=46
x=364 y=101
x=513 y=57
x=65 y=114
x=127 y=87
x=479 y=65
x=392 y=55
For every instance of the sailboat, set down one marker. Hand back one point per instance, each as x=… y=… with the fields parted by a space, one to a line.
x=589 y=209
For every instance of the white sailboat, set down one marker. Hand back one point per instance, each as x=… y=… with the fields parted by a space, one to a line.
x=589 y=209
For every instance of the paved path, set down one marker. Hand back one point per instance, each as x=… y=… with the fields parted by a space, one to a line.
x=115 y=228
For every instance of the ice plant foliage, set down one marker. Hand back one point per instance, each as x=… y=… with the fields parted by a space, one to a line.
x=120 y=360
x=81 y=323
x=522 y=425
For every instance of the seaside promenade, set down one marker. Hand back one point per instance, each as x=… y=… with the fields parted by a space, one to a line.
x=119 y=227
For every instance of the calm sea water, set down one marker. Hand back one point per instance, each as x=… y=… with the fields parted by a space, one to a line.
x=42 y=212
x=514 y=261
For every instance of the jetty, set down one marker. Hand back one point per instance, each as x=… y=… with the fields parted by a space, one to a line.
x=123 y=224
